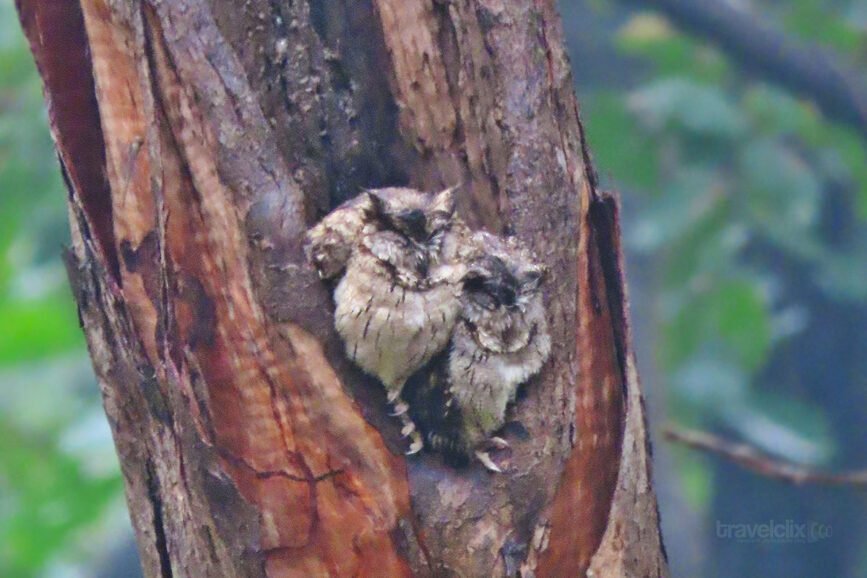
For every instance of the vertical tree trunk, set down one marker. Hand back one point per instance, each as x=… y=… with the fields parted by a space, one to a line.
x=199 y=140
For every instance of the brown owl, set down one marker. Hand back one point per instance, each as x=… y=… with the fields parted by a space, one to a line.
x=397 y=301
x=499 y=341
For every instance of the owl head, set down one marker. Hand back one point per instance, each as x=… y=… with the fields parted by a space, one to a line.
x=501 y=292
x=407 y=230
x=418 y=217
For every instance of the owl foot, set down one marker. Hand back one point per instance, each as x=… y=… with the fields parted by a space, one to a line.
x=416 y=445
x=486 y=460
x=393 y=396
x=491 y=445
x=400 y=408
x=499 y=443
x=410 y=431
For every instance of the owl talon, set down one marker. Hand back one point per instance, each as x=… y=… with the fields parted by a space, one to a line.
x=400 y=408
x=499 y=443
x=408 y=430
x=488 y=462
x=415 y=447
x=393 y=396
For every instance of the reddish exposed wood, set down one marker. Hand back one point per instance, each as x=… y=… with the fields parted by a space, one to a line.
x=250 y=446
x=632 y=544
x=59 y=45
x=579 y=511
x=113 y=54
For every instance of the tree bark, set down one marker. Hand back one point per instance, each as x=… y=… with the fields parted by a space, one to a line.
x=199 y=140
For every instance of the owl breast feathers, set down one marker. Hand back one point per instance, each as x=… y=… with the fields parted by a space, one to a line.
x=396 y=304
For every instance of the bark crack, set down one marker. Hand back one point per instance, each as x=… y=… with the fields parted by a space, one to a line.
x=160 y=542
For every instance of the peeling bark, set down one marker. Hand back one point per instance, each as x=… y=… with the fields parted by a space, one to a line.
x=199 y=142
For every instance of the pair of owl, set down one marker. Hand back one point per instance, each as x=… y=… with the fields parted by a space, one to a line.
x=451 y=321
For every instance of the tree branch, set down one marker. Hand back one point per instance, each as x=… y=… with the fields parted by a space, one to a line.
x=753 y=459
x=807 y=70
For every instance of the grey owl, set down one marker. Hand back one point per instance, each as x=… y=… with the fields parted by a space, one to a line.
x=397 y=302
x=500 y=341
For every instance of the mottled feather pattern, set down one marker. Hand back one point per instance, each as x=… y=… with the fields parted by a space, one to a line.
x=328 y=245
x=391 y=324
x=450 y=321
x=500 y=341
x=432 y=407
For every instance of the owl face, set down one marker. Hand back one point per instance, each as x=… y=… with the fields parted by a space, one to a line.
x=501 y=293
x=410 y=229
x=491 y=284
x=416 y=216
x=418 y=220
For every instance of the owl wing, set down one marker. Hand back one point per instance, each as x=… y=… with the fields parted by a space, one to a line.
x=436 y=412
x=330 y=242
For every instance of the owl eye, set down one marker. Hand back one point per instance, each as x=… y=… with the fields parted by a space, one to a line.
x=484 y=299
x=474 y=283
x=532 y=279
x=481 y=291
x=411 y=223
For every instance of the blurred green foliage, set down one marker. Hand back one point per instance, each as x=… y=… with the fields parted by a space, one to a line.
x=717 y=165
x=58 y=473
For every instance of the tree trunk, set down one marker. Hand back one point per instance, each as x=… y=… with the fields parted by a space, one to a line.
x=199 y=140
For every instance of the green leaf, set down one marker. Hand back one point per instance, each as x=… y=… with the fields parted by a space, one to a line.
x=781 y=192
x=36 y=329
x=742 y=319
x=650 y=36
x=811 y=20
x=682 y=104
x=709 y=249
x=728 y=316
x=48 y=498
x=681 y=206
x=696 y=479
x=776 y=112
x=628 y=155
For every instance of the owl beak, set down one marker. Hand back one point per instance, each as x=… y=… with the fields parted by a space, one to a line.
x=424 y=267
x=508 y=296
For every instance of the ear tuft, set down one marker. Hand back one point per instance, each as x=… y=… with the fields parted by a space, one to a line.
x=375 y=204
x=444 y=201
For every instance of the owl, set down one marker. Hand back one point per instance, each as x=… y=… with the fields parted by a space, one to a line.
x=397 y=302
x=499 y=341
